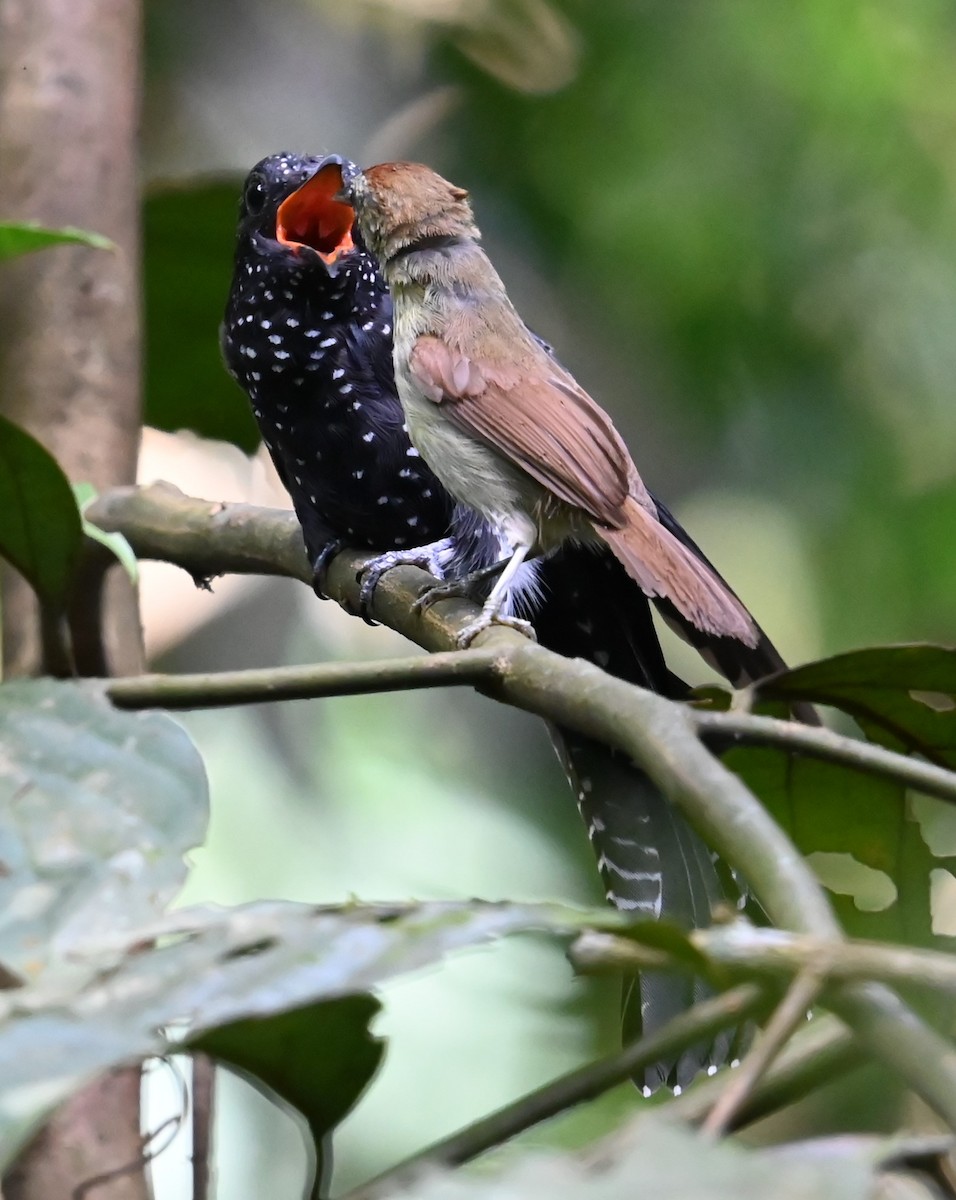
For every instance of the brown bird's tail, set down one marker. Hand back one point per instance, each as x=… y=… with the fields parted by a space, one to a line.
x=667 y=569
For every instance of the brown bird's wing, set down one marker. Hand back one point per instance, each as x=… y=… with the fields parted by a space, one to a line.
x=542 y=421
x=538 y=418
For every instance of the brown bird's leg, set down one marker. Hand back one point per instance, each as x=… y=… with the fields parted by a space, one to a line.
x=472 y=587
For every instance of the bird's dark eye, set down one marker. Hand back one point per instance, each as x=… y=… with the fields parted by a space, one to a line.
x=254 y=199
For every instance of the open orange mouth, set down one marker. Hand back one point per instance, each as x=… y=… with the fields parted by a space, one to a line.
x=312 y=217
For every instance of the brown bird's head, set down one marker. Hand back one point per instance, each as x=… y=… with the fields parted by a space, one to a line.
x=403 y=206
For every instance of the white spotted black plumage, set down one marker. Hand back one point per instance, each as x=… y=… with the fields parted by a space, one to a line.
x=326 y=399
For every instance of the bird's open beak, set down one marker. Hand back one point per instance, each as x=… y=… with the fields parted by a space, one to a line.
x=315 y=216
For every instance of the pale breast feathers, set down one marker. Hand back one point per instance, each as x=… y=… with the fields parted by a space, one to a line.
x=538 y=417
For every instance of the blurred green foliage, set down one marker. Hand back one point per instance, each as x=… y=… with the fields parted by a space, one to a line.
x=188 y=237
x=760 y=198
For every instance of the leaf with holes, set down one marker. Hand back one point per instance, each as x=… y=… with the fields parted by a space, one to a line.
x=903 y=696
x=23 y=237
x=41 y=533
x=829 y=811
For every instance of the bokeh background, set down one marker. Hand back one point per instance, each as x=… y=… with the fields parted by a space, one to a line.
x=735 y=221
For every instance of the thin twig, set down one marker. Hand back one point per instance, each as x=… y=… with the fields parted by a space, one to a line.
x=789 y=1015
x=454 y=667
x=585 y=1083
x=827 y=746
x=817 y=1056
x=202 y=1112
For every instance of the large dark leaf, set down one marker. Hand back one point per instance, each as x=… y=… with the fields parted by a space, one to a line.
x=40 y=528
x=189 y=238
x=23 y=237
x=903 y=696
x=830 y=810
x=319 y=1059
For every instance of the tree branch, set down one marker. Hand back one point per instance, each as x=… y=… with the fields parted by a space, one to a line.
x=765 y=953
x=303 y=683
x=660 y=735
x=820 y=743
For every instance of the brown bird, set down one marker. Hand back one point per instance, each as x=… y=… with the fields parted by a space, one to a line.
x=505 y=427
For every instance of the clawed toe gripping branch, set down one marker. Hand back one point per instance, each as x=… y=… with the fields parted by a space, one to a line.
x=667 y=739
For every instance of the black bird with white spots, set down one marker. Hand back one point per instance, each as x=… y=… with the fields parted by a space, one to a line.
x=307 y=335
x=308 y=342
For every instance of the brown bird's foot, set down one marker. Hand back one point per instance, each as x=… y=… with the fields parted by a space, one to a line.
x=467 y=587
x=320 y=568
x=486 y=621
x=430 y=558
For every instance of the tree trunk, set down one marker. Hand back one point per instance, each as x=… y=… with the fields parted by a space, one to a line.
x=69 y=372
x=70 y=349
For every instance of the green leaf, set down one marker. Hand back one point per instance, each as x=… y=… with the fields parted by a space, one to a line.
x=23 y=237
x=116 y=543
x=318 y=1058
x=189 y=235
x=828 y=809
x=903 y=696
x=98 y=809
x=41 y=532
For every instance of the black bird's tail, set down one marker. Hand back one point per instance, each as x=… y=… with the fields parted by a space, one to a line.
x=652 y=863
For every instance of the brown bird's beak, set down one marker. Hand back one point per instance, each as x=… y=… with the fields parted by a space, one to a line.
x=315 y=216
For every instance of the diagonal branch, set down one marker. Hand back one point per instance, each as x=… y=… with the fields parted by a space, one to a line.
x=786 y=1019
x=661 y=736
x=817 y=1056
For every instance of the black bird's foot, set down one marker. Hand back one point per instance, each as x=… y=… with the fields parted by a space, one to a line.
x=321 y=566
x=467 y=587
x=430 y=558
